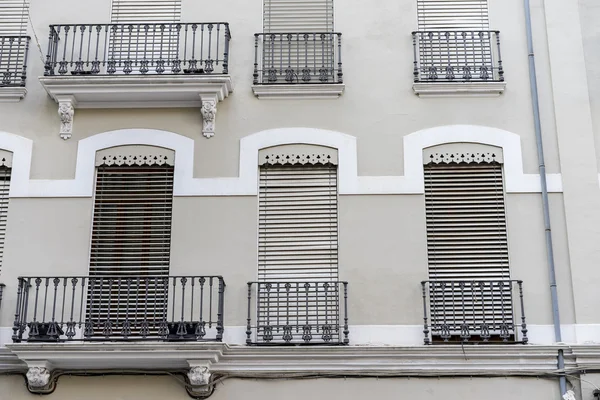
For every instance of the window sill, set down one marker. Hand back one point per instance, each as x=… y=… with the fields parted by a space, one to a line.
x=459 y=89
x=300 y=91
x=12 y=94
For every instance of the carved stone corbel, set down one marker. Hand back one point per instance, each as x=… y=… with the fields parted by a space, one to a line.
x=66 y=112
x=38 y=378
x=209 y=114
x=199 y=376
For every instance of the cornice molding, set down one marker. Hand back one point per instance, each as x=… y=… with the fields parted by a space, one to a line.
x=12 y=94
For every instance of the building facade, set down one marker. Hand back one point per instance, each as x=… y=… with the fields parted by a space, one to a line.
x=291 y=198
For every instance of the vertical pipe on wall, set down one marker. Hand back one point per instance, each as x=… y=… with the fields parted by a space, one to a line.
x=544 y=184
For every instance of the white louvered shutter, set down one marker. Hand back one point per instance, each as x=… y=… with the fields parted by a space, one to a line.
x=13 y=17
x=298 y=16
x=136 y=38
x=131 y=238
x=4 y=192
x=467 y=241
x=448 y=15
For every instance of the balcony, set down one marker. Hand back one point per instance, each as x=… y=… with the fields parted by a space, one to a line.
x=138 y=66
x=457 y=63
x=474 y=312
x=119 y=308
x=13 y=67
x=297 y=313
x=298 y=65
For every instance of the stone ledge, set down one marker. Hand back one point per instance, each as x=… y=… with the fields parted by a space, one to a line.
x=12 y=94
x=459 y=89
x=299 y=91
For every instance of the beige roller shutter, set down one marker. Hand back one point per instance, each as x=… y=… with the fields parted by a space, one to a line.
x=13 y=17
x=442 y=15
x=298 y=16
x=4 y=192
x=131 y=239
x=467 y=242
x=139 y=36
x=298 y=223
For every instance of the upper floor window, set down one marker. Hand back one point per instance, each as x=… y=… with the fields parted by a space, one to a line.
x=470 y=290
x=298 y=44
x=14 y=44
x=454 y=43
x=298 y=292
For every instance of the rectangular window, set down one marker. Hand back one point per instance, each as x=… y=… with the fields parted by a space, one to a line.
x=298 y=295
x=298 y=16
x=467 y=250
x=449 y=15
x=139 y=36
x=130 y=250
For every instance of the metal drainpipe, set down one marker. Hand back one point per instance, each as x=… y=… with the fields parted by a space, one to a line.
x=544 y=184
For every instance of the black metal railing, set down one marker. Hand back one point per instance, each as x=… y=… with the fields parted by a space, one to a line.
x=474 y=311
x=297 y=313
x=457 y=56
x=120 y=308
x=138 y=49
x=13 y=60
x=297 y=58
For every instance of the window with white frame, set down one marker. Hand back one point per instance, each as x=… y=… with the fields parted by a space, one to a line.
x=469 y=287
x=131 y=242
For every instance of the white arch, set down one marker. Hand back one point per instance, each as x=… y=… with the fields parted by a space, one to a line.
x=516 y=181
x=246 y=183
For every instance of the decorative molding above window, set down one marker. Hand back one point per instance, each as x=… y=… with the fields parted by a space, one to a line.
x=6 y=158
x=135 y=155
x=298 y=154
x=462 y=153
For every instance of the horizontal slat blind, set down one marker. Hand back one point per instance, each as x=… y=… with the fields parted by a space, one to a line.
x=298 y=16
x=131 y=237
x=141 y=44
x=452 y=15
x=4 y=192
x=466 y=238
x=298 y=223
x=13 y=17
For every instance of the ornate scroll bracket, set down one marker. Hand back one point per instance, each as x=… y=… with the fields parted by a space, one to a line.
x=66 y=112
x=38 y=377
x=199 y=376
x=209 y=114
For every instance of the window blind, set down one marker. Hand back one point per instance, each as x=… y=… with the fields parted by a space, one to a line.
x=298 y=16
x=298 y=223
x=131 y=237
x=136 y=38
x=467 y=241
x=13 y=17
x=448 y=15
x=4 y=192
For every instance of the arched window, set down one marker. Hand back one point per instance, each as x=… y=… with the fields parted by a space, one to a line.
x=131 y=242
x=298 y=296
x=470 y=290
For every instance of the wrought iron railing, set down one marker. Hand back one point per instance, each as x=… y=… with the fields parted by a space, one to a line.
x=474 y=311
x=297 y=313
x=138 y=49
x=457 y=56
x=13 y=60
x=297 y=58
x=119 y=308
